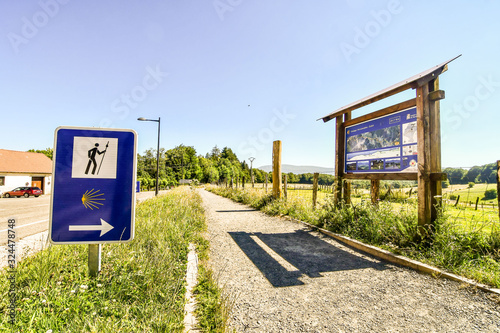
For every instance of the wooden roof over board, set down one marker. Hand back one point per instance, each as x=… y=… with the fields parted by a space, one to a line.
x=412 y=82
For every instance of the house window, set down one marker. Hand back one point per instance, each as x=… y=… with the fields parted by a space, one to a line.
x=2 y=180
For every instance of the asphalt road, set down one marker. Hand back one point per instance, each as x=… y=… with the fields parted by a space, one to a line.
x=32 y=214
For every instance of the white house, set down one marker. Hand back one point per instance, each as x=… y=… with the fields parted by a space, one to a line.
x=18 y=168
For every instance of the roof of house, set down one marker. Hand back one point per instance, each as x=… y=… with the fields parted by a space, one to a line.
x=12 y=161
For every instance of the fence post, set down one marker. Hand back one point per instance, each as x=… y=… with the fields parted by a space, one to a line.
x=458 y=199
x=315 y=189
x=498 y=186
x=277 y=169
x=285 y=185
x=267 y=175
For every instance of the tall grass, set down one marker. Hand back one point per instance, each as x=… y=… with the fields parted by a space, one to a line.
x=471 y=252
x=141 y=285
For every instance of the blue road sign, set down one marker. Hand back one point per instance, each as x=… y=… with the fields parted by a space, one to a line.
x=93 y=186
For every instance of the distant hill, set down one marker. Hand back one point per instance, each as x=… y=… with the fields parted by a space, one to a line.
x=299 y=169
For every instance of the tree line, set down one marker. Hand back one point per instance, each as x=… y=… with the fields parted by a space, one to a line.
x=478 y=174
x=217 y=166
x=182 y=162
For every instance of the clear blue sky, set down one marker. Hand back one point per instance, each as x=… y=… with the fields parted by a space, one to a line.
x=242 y=73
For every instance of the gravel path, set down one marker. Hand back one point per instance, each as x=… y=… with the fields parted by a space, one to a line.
x=286 y=278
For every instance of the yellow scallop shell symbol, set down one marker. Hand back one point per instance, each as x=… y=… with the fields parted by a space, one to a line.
x=91 y=199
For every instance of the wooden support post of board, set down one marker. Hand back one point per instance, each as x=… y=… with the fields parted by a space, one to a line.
x=435 y=153
x=277 y=169
x=285 y=185
x=339 y=159
x=424 y=160
x=346 y=185
x=375 y=191
x=347 y=192
x=315 y=189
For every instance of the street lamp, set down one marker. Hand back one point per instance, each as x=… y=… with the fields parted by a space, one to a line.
x=251 y=169
x=157 y=151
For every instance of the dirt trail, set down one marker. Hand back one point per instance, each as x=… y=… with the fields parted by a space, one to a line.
x=286 y=278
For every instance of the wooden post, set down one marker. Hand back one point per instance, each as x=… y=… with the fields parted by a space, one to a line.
x=458 y=199
x=243 y=182
x=498 y=187
x=315 y=189
x=267 y=176
x=277 y=169
x=339 y=158
x=435 y=147
x=346 y=186
x=347 y=192
x=285 y=186
x=424 y=160
x=231 y=182
x=375 y=191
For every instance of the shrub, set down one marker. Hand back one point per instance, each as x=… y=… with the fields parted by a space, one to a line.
x=471 y=184
x=490 y=194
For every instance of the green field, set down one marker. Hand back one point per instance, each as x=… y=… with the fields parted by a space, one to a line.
x=464 y=215
x=469 y=195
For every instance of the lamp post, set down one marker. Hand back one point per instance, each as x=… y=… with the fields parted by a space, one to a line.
x=157 y=151
x=251 y=159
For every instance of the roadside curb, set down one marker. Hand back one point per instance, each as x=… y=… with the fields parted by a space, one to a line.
x=398 y=259
x=190 y=322
x=26 y=246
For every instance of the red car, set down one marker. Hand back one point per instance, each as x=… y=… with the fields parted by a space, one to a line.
x=23 y=191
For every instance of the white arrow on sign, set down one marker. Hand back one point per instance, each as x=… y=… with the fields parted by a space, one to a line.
x=104 y=227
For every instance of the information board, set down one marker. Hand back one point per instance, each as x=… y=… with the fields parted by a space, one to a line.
x=385 y=144
x=93 y=189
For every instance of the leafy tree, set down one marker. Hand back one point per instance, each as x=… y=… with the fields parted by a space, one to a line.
x=456 y=175
x=473 y=173
x=227 y=153
x=215 y=154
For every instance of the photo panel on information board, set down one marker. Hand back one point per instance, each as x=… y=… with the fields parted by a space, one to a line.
x=384 y=144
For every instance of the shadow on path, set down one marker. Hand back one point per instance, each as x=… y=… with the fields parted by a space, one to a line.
x=307 y=253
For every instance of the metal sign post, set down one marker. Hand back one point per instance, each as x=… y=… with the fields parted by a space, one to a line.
x=94 y=259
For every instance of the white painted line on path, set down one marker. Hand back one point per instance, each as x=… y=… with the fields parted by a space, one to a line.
x=25 y=225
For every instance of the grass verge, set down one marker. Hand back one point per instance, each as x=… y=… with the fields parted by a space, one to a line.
x=470 y=252
x=140 y=288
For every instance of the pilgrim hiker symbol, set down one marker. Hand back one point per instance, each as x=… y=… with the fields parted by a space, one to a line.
x=92 y=153
x=90 y=160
